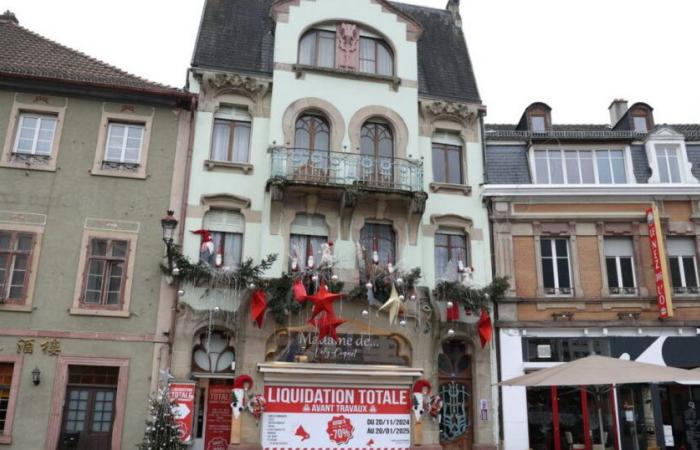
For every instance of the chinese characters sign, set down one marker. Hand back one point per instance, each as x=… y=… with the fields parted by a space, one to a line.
x=306 y=417
x=658 y=258
x=182 y=394
x=50 y=347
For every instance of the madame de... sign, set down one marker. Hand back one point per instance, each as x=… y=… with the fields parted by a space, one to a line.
x=298 y=346
x=304 y=417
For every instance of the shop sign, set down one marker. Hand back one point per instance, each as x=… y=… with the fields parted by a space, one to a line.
x=347 y=349
x=658 y=258
x=182 y=395
x=217 y=431
x=304 y=417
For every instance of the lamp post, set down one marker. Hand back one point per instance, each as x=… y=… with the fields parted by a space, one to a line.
x=169 y=224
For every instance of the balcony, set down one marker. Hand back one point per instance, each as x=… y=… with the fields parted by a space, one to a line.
x=314 y=167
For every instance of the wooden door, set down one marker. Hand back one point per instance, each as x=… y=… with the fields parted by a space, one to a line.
x=455 y=388
x=88 y=416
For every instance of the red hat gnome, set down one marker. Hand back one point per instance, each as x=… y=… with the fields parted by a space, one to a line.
x=421 y=397
x=241 y=385
x=206 y=249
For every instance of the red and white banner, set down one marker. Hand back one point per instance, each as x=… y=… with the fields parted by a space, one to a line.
x=217 y=431
x=182 y=394
x=321 y=418
x=658 y=258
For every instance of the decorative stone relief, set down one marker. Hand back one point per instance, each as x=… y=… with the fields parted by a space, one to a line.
x=347 y=46
x=257 y=91
x=463 y=114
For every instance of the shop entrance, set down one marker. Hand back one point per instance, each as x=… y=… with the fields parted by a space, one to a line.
x=679 y=405
x=455 y=376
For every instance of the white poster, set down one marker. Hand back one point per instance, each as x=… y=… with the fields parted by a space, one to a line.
x=319 y=418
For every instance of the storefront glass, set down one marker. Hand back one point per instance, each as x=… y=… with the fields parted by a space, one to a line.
x=679 y=407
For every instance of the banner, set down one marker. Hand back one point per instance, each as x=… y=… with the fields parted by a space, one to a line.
x=182 y=394
x=658 y=258
x=217 y=431
x=305 y=418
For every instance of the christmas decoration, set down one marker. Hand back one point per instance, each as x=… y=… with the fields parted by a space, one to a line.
x=327 y=325
x=258 y=306
x=421 y=393
x=299 y=291
x=393 y=305
x=485 y=327
x=436 y=405
x=452 y=311
x=206 y=248
x=241 y=385
x=471 y=298
x=323 y=301
x=162 y=433
x=256 y=406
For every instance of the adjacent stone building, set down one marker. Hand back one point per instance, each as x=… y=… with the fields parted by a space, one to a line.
x=355 y=124
x=91 y=158
x=573 y=211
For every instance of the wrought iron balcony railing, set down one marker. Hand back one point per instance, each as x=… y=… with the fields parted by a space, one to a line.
x=347 y=169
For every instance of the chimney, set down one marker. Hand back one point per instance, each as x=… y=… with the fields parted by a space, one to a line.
x=617 y=109
x=9 y=16
x=453 y=7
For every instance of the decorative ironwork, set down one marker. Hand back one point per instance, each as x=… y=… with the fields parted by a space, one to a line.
x=455 y=421
x=30 y=159
x=346 y=169
x=120 y=166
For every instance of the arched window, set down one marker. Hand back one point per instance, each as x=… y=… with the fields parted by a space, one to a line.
x=312 y=132
x=213 y=353
x=377 y=149
x=350 y=48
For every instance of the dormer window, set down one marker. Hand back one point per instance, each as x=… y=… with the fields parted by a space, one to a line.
x=640 y=124
x=538 y=124
x=346 y=48
x=667 y=161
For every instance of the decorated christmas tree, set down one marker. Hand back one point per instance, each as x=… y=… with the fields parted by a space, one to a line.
x=161 y=430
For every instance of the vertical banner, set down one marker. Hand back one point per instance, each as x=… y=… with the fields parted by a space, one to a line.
x=218 y=421
x=658 y=258
x=324 y=417
x=182 y=394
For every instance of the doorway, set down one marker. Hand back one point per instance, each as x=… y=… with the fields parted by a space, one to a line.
x=455 y=378
x=88 y=412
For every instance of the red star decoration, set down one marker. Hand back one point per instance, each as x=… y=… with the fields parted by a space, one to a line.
x=258 y=306
x=323 y=301
x=327 y=325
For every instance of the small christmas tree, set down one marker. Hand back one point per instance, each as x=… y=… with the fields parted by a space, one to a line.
x=162 y=432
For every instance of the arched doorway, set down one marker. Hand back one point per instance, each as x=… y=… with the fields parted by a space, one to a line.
x=456 y=388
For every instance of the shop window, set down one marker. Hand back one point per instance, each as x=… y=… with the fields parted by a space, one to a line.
x=683 y=266
x=231 y=135
x=227 y=228
x=308 y=234
x=381 y=238
x=450 y=250
x=556 y=267
x=619 y=263
x=563 y=349
x=213 y=353
x=15 y=263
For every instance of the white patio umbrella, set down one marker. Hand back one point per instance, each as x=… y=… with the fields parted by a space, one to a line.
x=601 y=370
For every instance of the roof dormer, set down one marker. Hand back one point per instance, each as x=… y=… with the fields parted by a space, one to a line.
x=638 y=118
x=537 y=118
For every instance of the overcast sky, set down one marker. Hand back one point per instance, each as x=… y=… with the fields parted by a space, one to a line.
x=575 y=55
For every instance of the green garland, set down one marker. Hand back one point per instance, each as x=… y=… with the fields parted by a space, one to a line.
x=280 y=296
x=382 y=281
x=201 y=274
x=470 y=298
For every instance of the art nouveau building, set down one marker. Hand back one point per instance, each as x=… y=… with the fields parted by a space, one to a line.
x=329 y=121
x=569 y=209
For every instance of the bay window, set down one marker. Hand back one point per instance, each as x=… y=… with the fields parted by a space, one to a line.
x=580 y=167
x=683 y=266
x=619 y=264
x=556 y=266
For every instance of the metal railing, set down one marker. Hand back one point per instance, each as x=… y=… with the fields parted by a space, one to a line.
x=347 y=169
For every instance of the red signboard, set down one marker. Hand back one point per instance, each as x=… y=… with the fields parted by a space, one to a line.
x=182 y=394
x=658 y=258
x=217 y=431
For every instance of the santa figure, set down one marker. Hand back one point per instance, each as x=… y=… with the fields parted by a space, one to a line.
x=421 y=398
x=207 y=253
x=241 y=385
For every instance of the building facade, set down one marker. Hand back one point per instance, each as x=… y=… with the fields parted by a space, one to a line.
x=347 y=132
x=87 y=164
x=573 y=211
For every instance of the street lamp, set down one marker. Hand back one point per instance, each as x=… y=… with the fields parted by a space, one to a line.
x=169 y=224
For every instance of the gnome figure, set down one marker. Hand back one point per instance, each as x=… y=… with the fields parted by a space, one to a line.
x=241 y=385
x=207 y=253
x=421 y=398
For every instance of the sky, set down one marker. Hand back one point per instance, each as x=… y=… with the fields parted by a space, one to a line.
x=575 y=55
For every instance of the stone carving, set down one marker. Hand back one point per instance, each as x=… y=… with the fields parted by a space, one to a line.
x=460 y=111
x=252 y=87
x=347 y=46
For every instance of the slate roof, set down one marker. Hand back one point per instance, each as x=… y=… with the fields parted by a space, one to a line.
x=238 y=35
x=584 y=132
x=27 y=55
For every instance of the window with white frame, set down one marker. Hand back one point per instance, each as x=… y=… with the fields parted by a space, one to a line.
x=580 y=167
x=683 y=266
x=231 y=138
x=226 y=229
x=124 y=143
x=35 y=134
x=556 y=266
x=619 y=264
x=667 y=162
x=640 y=124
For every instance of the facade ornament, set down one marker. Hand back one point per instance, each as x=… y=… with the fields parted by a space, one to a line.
x=348 y=46
x=460 y=112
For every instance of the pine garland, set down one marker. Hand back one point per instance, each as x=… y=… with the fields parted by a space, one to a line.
x=382 y=282
x=162 y=433
x=280 y=297
x=201 y=274
x=470 y=298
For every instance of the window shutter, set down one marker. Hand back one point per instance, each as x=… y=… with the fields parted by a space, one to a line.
x=619 y=247
x=449 y=138
x=680 y=247
x=310 y=225
x=224 y=221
